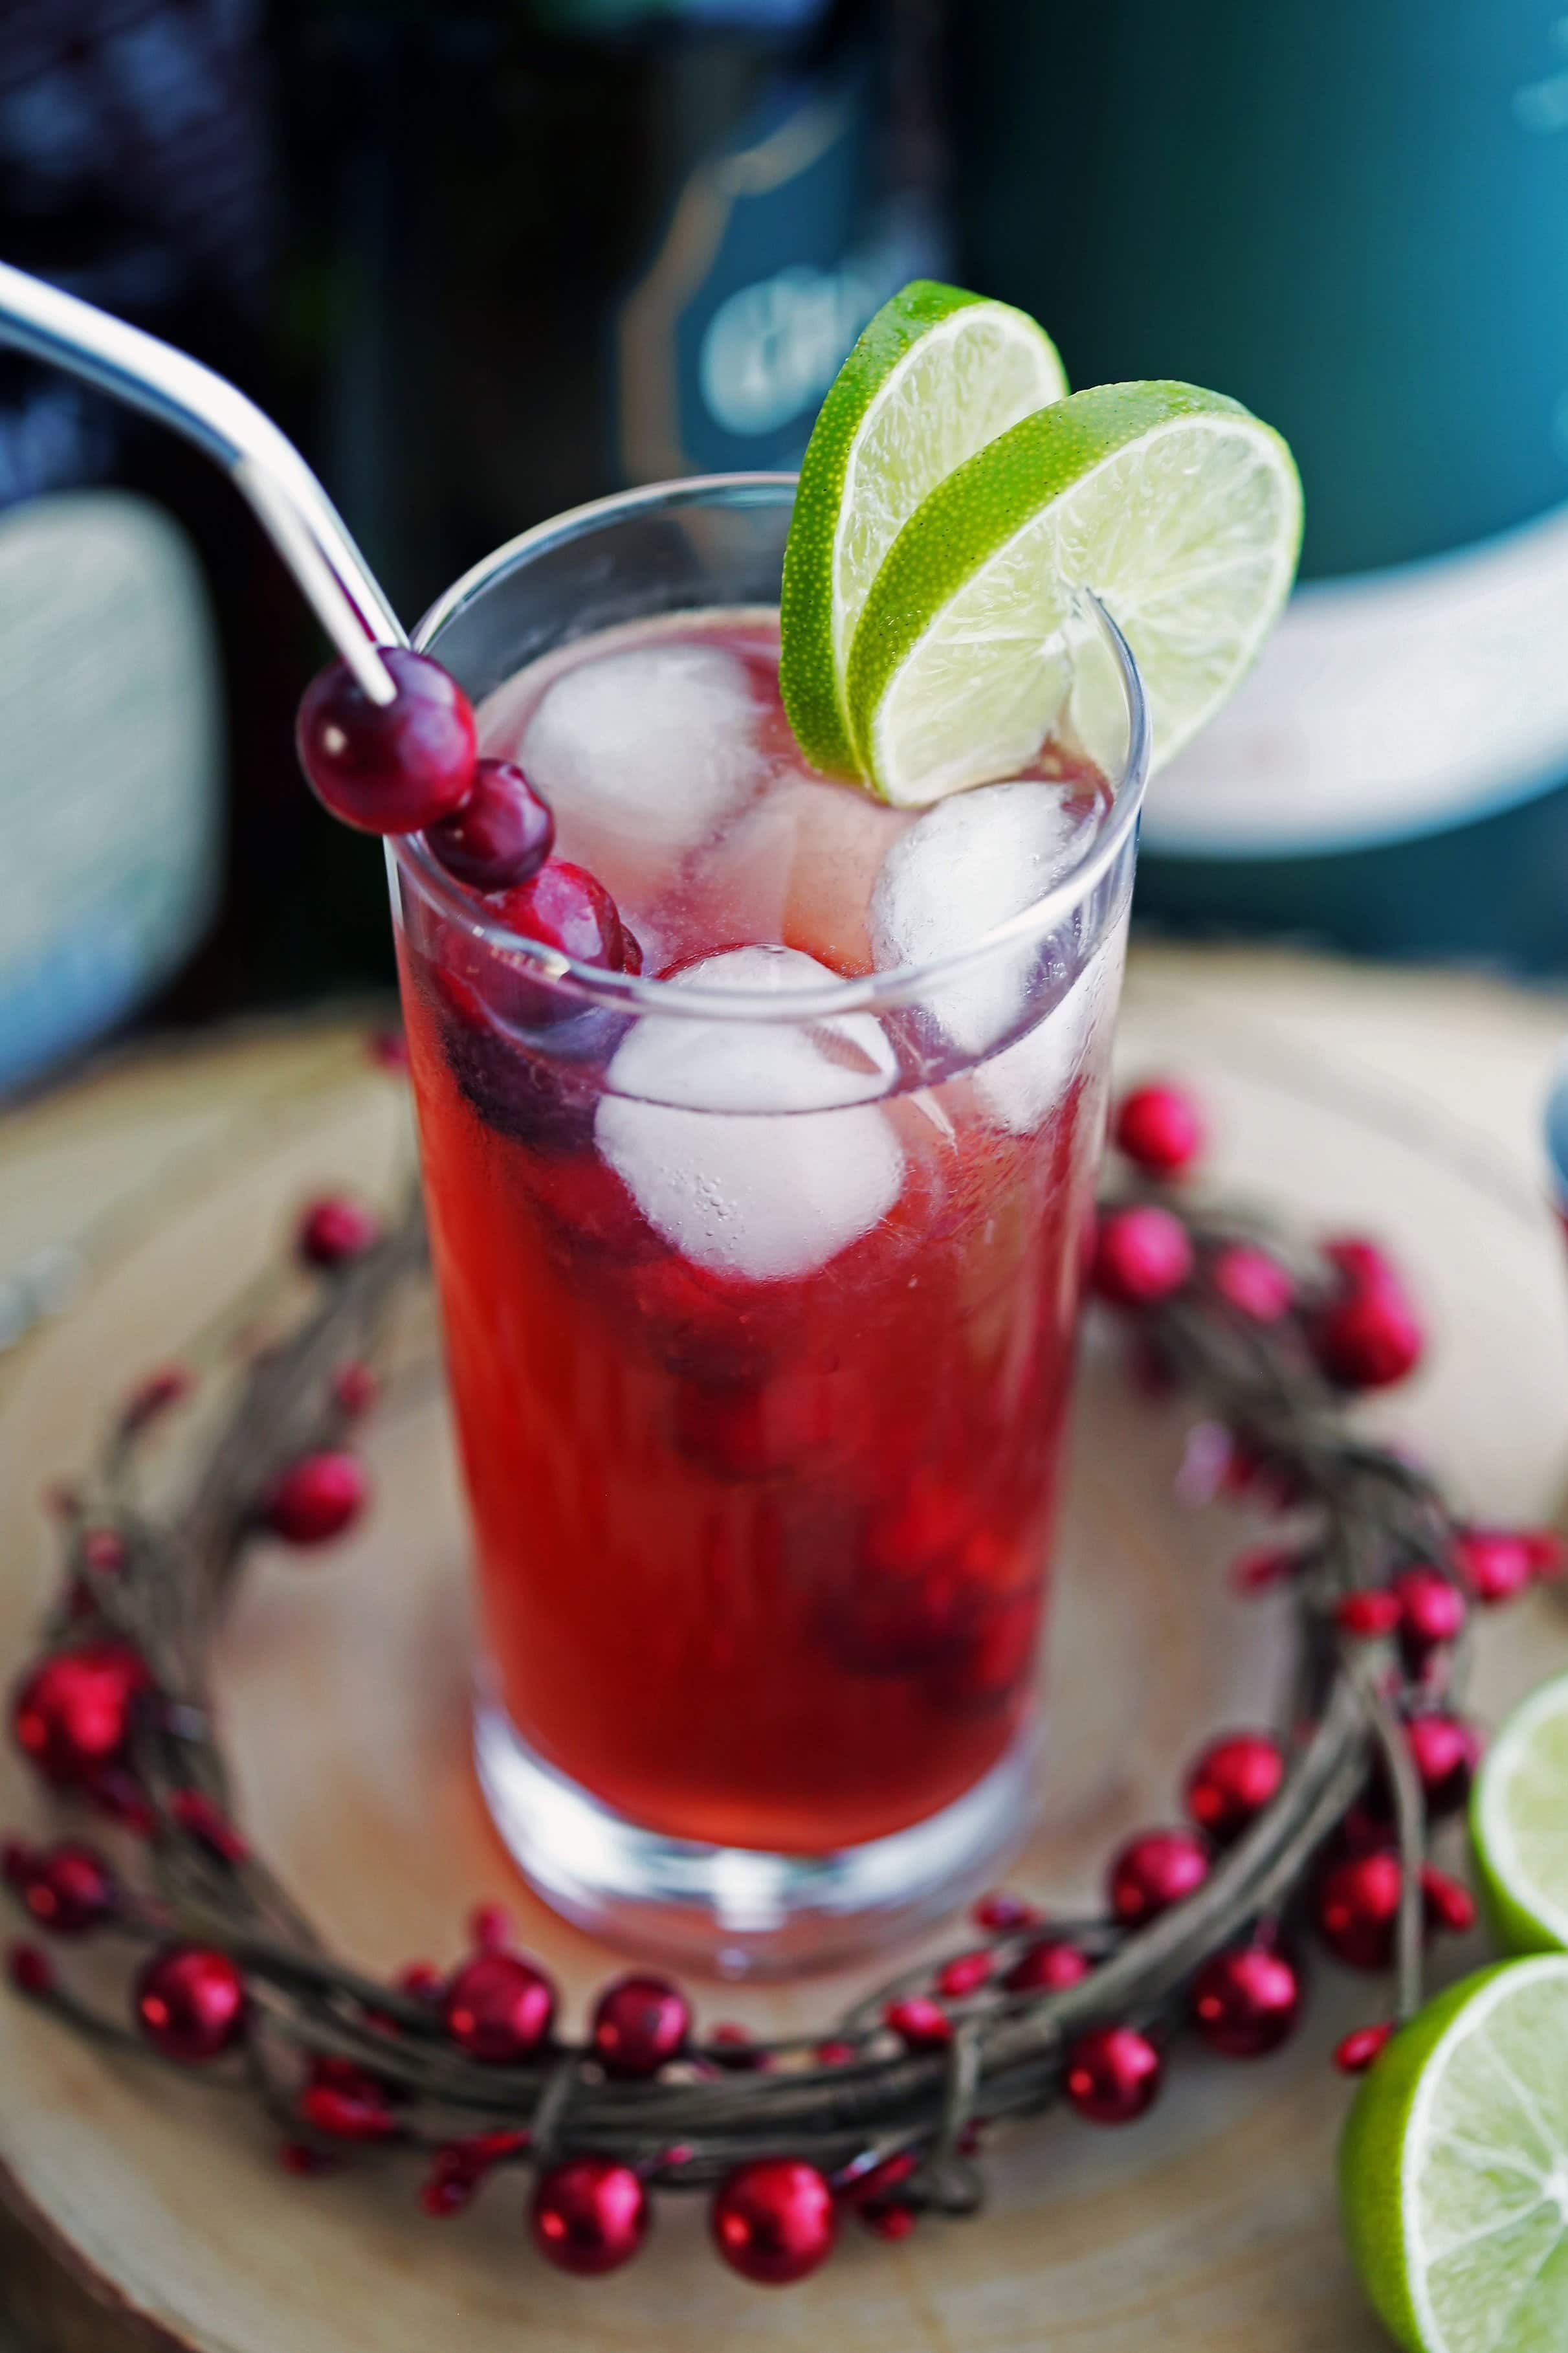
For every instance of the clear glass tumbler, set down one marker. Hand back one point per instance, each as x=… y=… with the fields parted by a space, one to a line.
x=758 y=1304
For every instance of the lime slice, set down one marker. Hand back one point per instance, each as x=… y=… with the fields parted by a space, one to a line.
x=1518 y=1821
x=1453 y=2167
x=936 y=375
x=1177 y=506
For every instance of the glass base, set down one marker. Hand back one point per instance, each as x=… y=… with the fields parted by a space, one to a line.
x=736 y=1910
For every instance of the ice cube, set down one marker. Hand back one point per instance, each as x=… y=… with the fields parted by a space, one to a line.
x=966 y=865
x=644 y=754
x=1022 y=1083
x=762 y=1152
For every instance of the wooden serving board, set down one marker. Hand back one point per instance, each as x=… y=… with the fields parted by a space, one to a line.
x=153 y=2214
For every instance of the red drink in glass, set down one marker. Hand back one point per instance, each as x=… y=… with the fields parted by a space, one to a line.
x=760 y=1329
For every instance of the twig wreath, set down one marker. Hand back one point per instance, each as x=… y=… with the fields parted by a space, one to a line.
x=1321 y=1825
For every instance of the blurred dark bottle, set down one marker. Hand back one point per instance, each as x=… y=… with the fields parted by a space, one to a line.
x=1356 y=218
x=550 y=246
x=145 y=779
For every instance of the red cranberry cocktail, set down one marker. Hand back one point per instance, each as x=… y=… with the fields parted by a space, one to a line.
x=759 y=1130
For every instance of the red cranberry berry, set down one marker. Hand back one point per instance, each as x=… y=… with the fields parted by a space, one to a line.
x=774 y=2221
x=502 y=834
x=1048 y=1966
x=190 y=2004
x=589 y=2215
x=1159 y=1128
x=396 y=767
x=499 y=2009
x=1232 y=1782
x=1141 y=1255
x=1112 y=2074
x=640 y=2025
x=334 y=1230
x=316 y=1499
x=920 y=2023
x=67 y=1888
x=564 y=906
x=1253 y=1283
x=71 y=1715
x=1357 y=1907
x=1154 y=1870
x=1245 y=2003
x=1432 y=1612
x=1495 y=1563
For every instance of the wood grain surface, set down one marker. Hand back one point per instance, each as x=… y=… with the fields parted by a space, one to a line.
x=153 y=2213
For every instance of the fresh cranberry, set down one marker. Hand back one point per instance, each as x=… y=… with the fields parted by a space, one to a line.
x=1140 y=1256
x=336 y=1229
x=1253 y=1283
x=396 y=767
x=315 y=1498
x=502 y=834
x=544 y=1096
x=565 y=907
x=1159 y=1129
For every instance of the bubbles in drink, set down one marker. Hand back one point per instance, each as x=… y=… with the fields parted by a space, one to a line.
x=756 y=1149
x=644 y=754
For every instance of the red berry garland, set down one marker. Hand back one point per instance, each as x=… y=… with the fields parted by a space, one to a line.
x=103 y=1718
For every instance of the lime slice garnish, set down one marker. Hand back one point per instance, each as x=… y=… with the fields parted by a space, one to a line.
x=936 y=375
x=1518 y=1821
x=1176 y=506
x=1454 y=2169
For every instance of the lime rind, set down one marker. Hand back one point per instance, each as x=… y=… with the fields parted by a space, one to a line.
x=1179 y=509
x=1519 y=1824
x=936 y=373
x=1453 y=2167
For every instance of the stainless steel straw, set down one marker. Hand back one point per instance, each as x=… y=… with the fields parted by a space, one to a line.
x=290 y=504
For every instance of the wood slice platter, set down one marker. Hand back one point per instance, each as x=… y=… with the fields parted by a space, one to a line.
x=153 y=2213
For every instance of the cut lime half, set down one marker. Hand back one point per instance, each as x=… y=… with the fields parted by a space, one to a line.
x=1518 y=1821
x=1178 y=508
x=1454 y=2169
x=936 y=375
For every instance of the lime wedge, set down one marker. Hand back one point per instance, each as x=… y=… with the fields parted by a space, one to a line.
x=936 y=375
x=1518 y=1821
x=1453 y=2167
x=1177 y=506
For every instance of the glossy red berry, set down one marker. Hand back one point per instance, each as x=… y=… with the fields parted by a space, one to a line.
x=1232 y=1782
x=1159 y=1128
x=1362 y=1265
x=1445 y=1751
x=71 y=1715
x=774 y=2220
x=1369 y=1339
x=999 y=1912
x=1141 y=1255
x=499 y=2009
x=69 y=1889
x=567 y=908
x=316 y=1498
x=502 y=834
x=1253 y=1283
x=1112 y=2074
x=734 y=2048
x=1495 y=1563
x=920 y=2023
x=1357 y=1907
x=964 y=1975
x=589 y=2215
x=1368 y=1616
x=1048 y=1966
x=393 y=767
x=346 y=2102
x=1247 y=2002
x=334 y=1230
x=1152 y=1871
x=190 y=2003
x=1355 y=2052
x=1432 y=1612
x=640 y=2025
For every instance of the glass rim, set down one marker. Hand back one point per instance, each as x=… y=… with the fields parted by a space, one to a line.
x=861 y=993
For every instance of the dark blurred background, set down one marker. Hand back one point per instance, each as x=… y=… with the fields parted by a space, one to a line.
x=485 y=258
